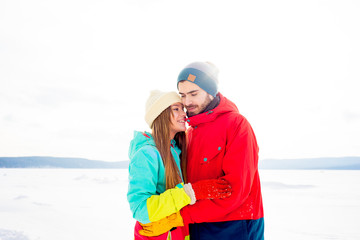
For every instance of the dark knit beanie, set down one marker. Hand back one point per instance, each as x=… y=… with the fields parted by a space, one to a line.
x=203 y=74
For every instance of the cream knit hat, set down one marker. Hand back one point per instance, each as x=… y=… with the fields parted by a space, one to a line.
x=157 y=102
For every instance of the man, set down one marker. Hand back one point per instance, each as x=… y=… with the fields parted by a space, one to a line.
x=221 y=144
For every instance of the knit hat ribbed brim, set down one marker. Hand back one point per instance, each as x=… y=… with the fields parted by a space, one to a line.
x=203 y=74
x=157 y=102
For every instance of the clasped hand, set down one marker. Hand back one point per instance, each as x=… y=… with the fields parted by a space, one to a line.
x=204 y=189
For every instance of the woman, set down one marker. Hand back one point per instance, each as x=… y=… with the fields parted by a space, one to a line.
x=156 y=171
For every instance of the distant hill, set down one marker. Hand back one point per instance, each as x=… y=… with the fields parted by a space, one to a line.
x=340 y=163
x=57 y=162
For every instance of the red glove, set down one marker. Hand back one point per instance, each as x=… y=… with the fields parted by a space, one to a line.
x=211 y=189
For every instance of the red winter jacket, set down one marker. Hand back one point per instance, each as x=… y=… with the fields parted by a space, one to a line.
x=222 y=144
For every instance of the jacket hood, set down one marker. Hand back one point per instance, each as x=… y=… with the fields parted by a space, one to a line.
x=140 y=140
x=224 y=106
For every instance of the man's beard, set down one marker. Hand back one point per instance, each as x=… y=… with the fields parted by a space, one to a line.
x=202 y=107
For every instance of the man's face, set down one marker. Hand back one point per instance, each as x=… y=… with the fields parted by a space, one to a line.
x=193 y=97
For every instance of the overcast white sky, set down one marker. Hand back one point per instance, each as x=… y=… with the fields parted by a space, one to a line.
x=75 y=75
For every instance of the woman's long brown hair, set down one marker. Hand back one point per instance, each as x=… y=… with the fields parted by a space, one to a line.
x=161 y=133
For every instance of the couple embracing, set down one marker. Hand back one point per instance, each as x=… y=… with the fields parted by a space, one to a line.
x=199 y=183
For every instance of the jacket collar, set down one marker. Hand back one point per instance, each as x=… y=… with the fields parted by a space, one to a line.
x=224 y=106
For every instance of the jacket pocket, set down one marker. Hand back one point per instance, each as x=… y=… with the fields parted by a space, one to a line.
x=213 y=153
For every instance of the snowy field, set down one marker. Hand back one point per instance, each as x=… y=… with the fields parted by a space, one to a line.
x=63 y=204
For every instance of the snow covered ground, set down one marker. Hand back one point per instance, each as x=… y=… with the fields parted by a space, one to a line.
x=73 y=204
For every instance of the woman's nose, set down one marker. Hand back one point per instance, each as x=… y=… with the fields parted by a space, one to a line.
x=182 y=112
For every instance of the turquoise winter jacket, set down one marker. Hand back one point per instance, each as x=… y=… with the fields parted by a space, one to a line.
x=147 y=195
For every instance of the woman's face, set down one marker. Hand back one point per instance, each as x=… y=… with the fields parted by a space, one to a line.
x=177 y=118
